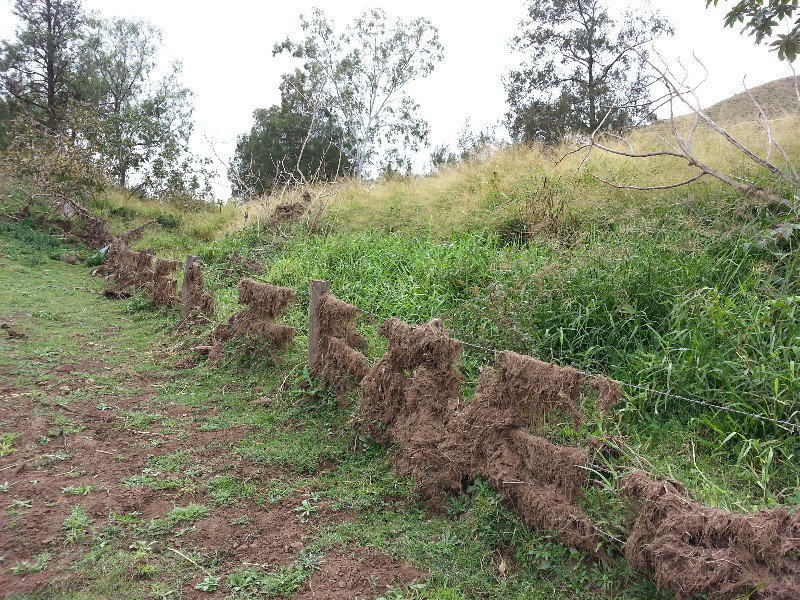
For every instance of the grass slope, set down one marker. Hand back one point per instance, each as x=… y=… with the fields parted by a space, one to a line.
x=294 y=453
x=692 y=291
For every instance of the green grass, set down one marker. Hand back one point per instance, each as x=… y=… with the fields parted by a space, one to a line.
x=301 y=442
x=685 y=291
x=683 y=299
x=77 y=524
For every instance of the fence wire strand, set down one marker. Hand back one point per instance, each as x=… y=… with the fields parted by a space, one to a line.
x=785 y=425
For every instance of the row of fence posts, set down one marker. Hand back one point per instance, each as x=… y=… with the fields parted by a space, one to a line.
x=688 y=547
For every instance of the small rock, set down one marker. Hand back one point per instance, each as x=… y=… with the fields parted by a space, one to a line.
x=68 y=258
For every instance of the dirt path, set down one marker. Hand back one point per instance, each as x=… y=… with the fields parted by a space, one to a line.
x=120 y=478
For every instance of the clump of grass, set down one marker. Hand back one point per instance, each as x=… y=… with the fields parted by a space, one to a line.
x=278 y=583
x=76 y=524
x=7 y=443
x=79 y=490
x=188 y=514
x=37 y=565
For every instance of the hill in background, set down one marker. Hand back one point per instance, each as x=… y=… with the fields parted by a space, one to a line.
x=778 y=99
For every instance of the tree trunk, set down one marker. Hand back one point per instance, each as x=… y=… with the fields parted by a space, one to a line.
x=50 y=60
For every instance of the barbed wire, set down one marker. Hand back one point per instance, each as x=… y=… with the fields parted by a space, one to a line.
x=782 y=424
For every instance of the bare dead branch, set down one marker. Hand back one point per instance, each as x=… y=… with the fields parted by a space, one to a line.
x=670 y=186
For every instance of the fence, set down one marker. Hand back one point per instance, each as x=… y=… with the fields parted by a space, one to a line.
x=412 y=397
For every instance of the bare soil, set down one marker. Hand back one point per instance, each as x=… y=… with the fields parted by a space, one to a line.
x=79 y=445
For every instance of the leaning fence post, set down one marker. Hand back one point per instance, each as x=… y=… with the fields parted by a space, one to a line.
x=316 y=288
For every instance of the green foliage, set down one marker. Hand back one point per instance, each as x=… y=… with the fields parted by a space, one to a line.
x=188 y=514
x=278 y=583
x=7 y=116
x=91 y=83
x=38 y=565
x=76 y=524
x=287 y=144
x=37 y=69
x=53 y=162
x=7 y=443
x=143 y=126
x=762 y=17
x=580 y=63
x=341 y=69
x=210 y=583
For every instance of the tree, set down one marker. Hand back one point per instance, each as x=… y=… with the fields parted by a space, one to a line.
x=7 y=115
x=761 y=17
x=360 y=77
x=291 y=142
x=144 y=125
x=471 y=145
x=37 y=69
x=581 y=64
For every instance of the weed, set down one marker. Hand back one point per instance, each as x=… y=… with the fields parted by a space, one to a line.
x=210 y=583
x=224 y=489
x=188 y=514
x=79 y=490
x=152 y=478
x=18 y=506
x=304 y=510
x=38 y=565
x=6 y=443
x=76 y=524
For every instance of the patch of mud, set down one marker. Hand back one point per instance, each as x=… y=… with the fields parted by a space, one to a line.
x=256 y=323
x=272 y=535
x=694 y=549
x=340 y=362
x=48 y=463
x=11 y=333
x=362 y=575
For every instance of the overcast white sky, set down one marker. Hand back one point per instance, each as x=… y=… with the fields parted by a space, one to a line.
x=226 y=51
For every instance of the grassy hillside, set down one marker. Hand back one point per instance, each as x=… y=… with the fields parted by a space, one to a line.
x=692 y=291
x=688 y=291
x=778 y=99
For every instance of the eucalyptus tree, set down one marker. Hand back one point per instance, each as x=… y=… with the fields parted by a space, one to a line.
x=762 y=18
x=361 y=77
x=142 y=120
x=579 y=64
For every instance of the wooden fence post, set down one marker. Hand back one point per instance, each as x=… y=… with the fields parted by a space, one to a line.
x=190 y=260
x=316 y=288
